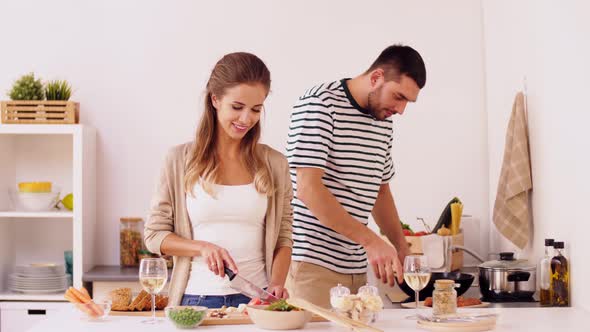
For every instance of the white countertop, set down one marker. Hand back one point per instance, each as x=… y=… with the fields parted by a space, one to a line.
x=511 y=319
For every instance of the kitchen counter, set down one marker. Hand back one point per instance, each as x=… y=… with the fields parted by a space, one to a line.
x=108 y=277
x=392 y=296
x=472 y=292
x=511 y=319
x=113 y=273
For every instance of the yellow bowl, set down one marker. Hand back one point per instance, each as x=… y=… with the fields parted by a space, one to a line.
x=34 y=201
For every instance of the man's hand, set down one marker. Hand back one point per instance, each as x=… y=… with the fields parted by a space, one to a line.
x=385 y=261
x=402 y=253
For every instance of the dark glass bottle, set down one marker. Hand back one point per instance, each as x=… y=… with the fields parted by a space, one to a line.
x=559 y=277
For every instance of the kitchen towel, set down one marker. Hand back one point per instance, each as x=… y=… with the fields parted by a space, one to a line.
x=512 y=210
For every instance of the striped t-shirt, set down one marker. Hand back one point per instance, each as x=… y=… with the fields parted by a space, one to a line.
x=329 y=130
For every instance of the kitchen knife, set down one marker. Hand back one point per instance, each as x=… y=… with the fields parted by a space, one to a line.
x=247 y=288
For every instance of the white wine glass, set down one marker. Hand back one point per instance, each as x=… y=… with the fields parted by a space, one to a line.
x=153 y=274
x=416 y=275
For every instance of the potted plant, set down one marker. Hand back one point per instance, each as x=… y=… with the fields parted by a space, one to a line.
x=33 y=103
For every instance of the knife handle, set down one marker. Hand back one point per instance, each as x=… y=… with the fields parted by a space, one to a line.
x=229 y=273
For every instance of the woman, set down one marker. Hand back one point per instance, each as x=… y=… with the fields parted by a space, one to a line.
x=224 y=200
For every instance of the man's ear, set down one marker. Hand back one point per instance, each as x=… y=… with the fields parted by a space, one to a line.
x=376 y=77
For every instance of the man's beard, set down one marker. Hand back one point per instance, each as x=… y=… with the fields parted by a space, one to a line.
x=372 y=103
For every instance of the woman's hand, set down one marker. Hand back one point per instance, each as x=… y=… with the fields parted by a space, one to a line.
x=278 y=291
x=217 y=258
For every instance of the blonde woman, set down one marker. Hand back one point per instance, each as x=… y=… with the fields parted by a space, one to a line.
x=224 y=200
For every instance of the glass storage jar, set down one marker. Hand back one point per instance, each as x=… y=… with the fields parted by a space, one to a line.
x=130 y=240
x=444 y=297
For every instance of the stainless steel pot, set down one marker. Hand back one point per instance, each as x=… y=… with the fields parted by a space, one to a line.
x=507 y=279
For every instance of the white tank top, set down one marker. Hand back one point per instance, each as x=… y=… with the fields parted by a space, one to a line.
x=233 y=220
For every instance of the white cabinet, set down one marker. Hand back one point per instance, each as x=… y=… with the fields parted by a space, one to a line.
x=66 y=156
x=21 y=316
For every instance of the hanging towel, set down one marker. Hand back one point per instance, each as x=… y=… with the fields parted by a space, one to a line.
x=512 y=209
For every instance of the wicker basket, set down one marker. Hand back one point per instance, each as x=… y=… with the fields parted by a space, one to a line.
x=40 y=112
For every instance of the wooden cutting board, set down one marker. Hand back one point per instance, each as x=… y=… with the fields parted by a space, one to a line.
x=476 y=326
x=234 y=318
x=412 y=305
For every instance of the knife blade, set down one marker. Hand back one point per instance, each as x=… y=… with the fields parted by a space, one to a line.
x=248 y=288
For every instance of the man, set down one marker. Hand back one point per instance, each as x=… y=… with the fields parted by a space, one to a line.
x=339 y=152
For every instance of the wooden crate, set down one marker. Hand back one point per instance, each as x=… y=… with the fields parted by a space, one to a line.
x=40 y=112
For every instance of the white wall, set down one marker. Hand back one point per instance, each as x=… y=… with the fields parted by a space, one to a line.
x=139 y=68
x=546 y=41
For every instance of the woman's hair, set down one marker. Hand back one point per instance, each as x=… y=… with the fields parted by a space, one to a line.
x=233 y=69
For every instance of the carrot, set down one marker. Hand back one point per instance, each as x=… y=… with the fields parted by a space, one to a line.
x=84 y=291
x=71 y=297
x=87 y=309
x=79 y=295
x=96 y=307
x=81 y=306
x=84 y=301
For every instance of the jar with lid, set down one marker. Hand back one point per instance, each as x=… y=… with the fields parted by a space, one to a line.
x=372 y=302
x=444 y=297
x=130 y=240
x=339 y=298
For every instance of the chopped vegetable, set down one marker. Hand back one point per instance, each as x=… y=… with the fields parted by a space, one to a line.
x=257 y=301
x=406 y=226
x=281 y=305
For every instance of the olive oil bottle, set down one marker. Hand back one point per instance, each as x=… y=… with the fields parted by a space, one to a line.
x=559 y=277
x=545 y=275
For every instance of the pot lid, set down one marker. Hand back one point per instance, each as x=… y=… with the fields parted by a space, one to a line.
x=507 y=262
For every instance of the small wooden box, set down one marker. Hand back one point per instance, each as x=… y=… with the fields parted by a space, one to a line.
x=415 y=244
x=40 y=112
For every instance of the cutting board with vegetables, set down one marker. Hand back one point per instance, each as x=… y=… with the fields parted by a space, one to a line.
x=233 y=318
x=236 y=318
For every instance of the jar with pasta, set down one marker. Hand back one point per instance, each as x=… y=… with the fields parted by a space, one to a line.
x=444 y=297
x=130 y=240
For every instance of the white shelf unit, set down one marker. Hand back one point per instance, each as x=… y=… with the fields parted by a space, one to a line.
x=66 y=156
x=7 y=215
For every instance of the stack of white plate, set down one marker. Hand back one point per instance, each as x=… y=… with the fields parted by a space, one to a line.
x=38 y=279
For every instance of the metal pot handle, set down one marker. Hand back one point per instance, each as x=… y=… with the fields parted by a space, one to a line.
x=517 y=277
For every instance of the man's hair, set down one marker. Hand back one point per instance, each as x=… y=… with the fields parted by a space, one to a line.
x=397 y=60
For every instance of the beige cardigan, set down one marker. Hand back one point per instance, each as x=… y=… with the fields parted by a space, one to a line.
x=168 y=213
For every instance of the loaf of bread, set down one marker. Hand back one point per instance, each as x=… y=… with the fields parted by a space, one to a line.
x=161 y=302
x=141 y=302
x=121 y=298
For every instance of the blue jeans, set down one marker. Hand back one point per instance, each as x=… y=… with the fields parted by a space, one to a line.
x=214 y=301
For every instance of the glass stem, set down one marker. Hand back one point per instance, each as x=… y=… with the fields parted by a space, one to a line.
x=417 y=296
x=153 y=307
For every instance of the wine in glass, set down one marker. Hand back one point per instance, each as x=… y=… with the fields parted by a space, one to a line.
x=153 y=274
x=416 y=275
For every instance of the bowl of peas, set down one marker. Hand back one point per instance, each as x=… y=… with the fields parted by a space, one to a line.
x=186 y=317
